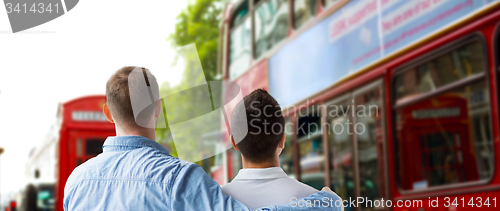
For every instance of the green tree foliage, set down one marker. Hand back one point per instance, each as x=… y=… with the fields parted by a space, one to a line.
x=198 y=24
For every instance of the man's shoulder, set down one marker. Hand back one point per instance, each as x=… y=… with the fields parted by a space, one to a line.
x=289 y=183
x=229 y=186
x=300 y=186
x=84 y=170
x=266 y=192
x=153 y=165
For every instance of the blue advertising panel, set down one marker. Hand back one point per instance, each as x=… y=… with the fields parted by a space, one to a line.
x=358 y=34
x=404 y=22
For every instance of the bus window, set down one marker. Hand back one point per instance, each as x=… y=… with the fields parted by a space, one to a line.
x=287 y=155
x=328 y=3
x=271 y=25
x=240 y=42
x=445 y=138
x=311 y=148
x=443 y=70
x=240 y=14
x=339 y=120
x=368 y=130
x=303 y=11
x=311 y=162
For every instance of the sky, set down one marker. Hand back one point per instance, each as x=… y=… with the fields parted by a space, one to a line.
x=73 y=56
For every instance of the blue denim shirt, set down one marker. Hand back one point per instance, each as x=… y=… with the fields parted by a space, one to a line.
x=136 y=173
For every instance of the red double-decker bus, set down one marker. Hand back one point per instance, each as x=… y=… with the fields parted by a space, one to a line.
x=77 y=135
x=391 y=103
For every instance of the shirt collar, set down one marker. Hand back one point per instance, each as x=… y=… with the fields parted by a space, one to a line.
x=113 y=143
x=261 y=173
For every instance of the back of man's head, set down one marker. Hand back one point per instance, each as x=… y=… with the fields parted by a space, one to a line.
x=265 y=124
x=120 y=87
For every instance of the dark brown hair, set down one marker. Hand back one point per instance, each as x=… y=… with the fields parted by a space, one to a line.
x=265 y=124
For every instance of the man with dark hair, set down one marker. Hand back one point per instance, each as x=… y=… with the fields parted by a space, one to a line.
x=265 y=124
x=262 y=179
x=136 y=173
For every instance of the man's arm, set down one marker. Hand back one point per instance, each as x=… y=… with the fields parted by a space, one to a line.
x=193 y=189
x=323 y=200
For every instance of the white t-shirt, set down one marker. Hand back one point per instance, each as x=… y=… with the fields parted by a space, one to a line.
x=261 y=187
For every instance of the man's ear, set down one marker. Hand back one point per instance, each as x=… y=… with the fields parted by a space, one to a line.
x=282 y=142
x=234 y=144
x=106 y=112
x=158 y=109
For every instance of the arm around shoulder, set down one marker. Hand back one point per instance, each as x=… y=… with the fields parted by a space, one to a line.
x=193 y=189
